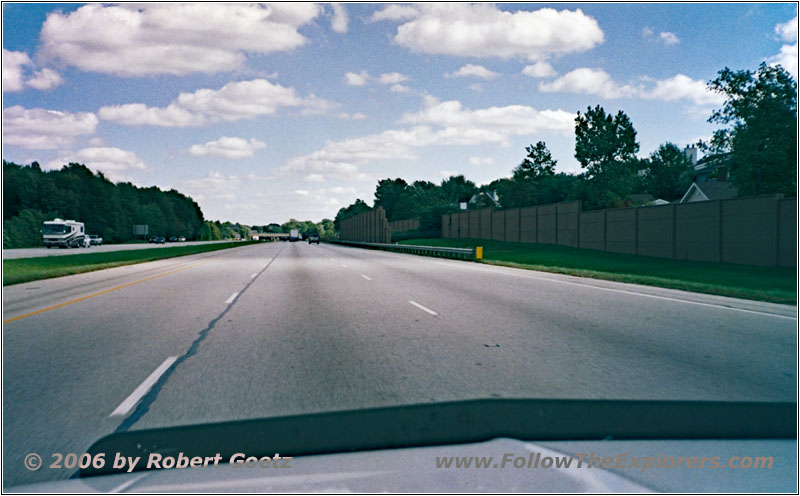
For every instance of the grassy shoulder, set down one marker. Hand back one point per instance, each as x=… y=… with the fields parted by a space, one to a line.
x=771 y=284
x=22 y=270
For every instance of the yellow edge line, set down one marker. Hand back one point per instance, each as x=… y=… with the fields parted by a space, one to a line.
x=106 y=291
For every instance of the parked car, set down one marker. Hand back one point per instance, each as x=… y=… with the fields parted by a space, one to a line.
x=152 y=239
x=314 y=238
x=94 y=239
x=181 y=238
x=173 y=239
x=159 y=240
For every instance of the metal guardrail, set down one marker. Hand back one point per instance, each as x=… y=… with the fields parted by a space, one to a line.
x=431 y=251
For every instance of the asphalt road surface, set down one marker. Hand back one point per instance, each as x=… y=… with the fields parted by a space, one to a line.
x=49 y=252
x=285 y=328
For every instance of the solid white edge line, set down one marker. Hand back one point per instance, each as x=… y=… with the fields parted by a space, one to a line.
x=366 y=277
x=424 y=309
x=231 y=298
x=645 y=295
x=143 y=388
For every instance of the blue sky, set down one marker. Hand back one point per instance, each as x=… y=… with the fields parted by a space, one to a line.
x=266 y=112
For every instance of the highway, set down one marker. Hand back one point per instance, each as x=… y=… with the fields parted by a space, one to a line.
x=285 y=328
x=49 y=252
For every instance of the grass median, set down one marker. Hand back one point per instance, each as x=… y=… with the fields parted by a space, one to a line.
x=20 y=270
x=773 y=284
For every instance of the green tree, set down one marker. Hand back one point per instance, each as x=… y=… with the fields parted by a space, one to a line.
x=537 y=164
x=668 y=173
x=606 y=147
x=761 y=112
x=351 y=210
x=326 y=228
x=456 y=189
x=388 y=194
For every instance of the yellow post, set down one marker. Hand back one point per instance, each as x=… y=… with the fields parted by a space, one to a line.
x=478 y=252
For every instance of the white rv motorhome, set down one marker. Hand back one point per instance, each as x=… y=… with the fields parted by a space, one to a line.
x=63 y=233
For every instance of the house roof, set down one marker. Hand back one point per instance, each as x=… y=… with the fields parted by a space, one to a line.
x=710 y=190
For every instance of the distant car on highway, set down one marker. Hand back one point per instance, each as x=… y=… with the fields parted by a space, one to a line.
x=173 y=239
x=314 y=238
x=181 y=238
x=152 y=239
x=159 y=240
x=94 y=239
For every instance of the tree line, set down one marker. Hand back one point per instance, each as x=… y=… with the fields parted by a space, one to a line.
x=758 y=146
x=31 y=196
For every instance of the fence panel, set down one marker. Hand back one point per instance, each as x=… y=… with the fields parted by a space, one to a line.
x=655 y=235
x=697 y=231
x=787 y=232
x=528 y=225
x=750 y=230
x=512 y=231
x=499 y=225
x=547 y=223
x=593 y=230
x=621 y=230
x=567 y=223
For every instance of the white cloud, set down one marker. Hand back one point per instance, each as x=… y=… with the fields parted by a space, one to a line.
x=460 y=126
x=302 y=192
x=228 y=147
x=598 y=82
x=669 y=38
x=786 y=58
x=472 y=70
x=232 y=102
x=476 y=86
x=314 y=178
x=665 y=36
x=337 y=190
x=439 y=123
x=214 y=182
x=340 y=18
x=13 y=63
x=395 y=12
x=683 y=87
x=588 y=81
x=172 y=38
x=392 y=78
x=787 y=30
x=44 y=79
x=356 y=79
x=40 y=129
x=539 y=70
x=483 y=30
x=15 y=67
x=481 y=161
x=112 y=162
